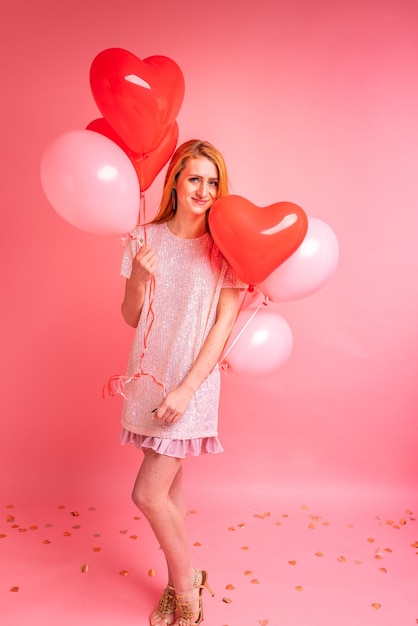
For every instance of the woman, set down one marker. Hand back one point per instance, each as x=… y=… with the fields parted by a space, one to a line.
x=183 y=298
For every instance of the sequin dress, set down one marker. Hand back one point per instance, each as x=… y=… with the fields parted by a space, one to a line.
x=177 y=315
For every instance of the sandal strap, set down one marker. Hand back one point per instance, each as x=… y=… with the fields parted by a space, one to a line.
x=167 y=602
x=186 y=616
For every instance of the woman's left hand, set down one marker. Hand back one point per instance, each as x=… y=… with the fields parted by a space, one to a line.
x=174 y=405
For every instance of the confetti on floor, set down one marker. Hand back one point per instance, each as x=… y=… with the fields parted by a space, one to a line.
x=282 y=563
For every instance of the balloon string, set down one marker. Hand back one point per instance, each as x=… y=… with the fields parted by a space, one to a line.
x=244 y=328
x=116 y=384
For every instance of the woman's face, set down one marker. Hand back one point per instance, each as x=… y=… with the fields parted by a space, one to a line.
x=197 y=187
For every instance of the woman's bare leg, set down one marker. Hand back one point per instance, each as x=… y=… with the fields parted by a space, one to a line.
x=158 y=494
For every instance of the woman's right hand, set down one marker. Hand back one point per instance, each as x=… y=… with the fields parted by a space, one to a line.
x=144 y=264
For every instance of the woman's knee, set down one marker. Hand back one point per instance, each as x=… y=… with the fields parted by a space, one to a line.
x=140 y=497
x=147 y=500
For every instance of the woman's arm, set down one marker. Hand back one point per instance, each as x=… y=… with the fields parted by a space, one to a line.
x=176 y=402
x=144 y=265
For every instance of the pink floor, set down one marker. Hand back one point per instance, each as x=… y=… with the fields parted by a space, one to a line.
x=292 y=558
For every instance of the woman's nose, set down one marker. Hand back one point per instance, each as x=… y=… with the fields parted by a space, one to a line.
x=202 y=188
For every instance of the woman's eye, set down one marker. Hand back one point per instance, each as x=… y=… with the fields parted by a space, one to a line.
x=214 y=183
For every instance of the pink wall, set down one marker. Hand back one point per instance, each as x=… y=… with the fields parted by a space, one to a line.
x=312 y=102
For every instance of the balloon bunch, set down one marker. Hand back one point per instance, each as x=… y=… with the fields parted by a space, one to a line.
x=282 y=255
x=95 y=178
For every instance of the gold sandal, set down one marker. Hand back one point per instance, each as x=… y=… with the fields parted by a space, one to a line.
x=165 y=610
x=185 y=603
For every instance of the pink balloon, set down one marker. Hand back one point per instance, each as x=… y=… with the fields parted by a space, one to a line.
x=91 y=183
x=308 y=268
x=260 y=343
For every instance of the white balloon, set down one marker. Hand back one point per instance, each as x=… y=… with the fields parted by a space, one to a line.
x=260 y=342
x=308 y=268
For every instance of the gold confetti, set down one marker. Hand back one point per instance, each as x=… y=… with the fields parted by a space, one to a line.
x=357 y=562
x=414 y=545
x=46 y=542
x=22 y=530
x=319 y=553
x=378 y=557
x=248 y=572
x=376 y=605
x=292 y=562
x=123 y=573
x=244 y=548
x=230 y=587
x=48 y=525
x=227 y=600
x=370 y=540
x=402 y=522
x=232 y=528
x=96 y=549
x=33 y=528
x=312 y=526
x=84 y=569
x=285 y=515
x=197 y=544
x=389 y=522
x=75 y=513
x=267 y=514
x=341 y=559
x=151 y=572
x=259 y=516
x=387 y=550
x=14 y=589
x=3 y=535
x=193 y=512
x=350 y=525
x=242 y=525
x=10 y=518
x=254 y=581
x=325 y=523
x=299 y=588
x=61 y=506
x=315 y=518
x=263 y=622
x=304 y=507
x=12 y=506
x=97 y=534
x=137 y=517
x=66 y=533
x=77 y=527
x=278 y=523
x=123 y=532
x=383 y=570
x=133 y=537
x=91 y=508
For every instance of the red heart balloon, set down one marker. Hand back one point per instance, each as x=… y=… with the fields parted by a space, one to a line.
x=256 y=240
x=139 y=99
x=149 y=165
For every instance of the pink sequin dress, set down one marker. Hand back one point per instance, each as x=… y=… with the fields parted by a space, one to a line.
x=176 y=318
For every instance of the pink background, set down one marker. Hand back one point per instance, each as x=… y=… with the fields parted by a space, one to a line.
x=313 y=102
